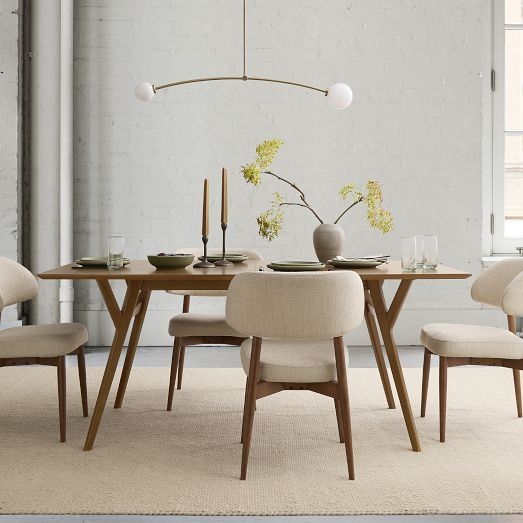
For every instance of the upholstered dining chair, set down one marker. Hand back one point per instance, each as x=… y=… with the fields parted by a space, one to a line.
x=297 y=322
x=39 y=344
x=192 y=328
x=501 y=286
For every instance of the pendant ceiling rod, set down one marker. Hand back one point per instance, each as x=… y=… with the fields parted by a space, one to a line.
x=244 y=38
x=339 y=95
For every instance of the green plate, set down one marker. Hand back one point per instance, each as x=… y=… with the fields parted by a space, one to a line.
x=296 y=268
x=355 y=264
x=296 y=262
x=100 y=261
x=234 y=258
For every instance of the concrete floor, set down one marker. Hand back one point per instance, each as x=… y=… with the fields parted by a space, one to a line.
x=228 y=357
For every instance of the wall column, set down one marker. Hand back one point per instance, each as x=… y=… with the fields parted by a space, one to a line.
x=66 y=156
x=45 y=155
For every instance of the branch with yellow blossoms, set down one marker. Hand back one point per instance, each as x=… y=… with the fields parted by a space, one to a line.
x=270 y=222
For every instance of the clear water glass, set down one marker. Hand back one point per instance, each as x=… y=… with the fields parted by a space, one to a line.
x=419 y=251
x=408 y=254
x=430 y=252
x=115 y=245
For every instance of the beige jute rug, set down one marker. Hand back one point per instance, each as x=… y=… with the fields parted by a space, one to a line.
x=149 y=461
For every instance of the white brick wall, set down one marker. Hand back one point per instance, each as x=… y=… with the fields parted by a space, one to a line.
x=8 y=136
x=420 y=77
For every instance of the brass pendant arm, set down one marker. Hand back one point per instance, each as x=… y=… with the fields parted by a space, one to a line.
x=244 y=78
x=324 y=91
x=196 y=80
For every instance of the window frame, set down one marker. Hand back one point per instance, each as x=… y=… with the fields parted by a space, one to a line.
x=500 y=244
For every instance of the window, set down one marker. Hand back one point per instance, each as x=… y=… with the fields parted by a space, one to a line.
x=507 y=187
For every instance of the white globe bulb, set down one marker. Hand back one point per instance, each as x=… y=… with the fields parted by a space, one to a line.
x=339 y=96
x=144 y=91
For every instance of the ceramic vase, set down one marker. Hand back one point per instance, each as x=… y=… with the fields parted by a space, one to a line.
x=329 y=241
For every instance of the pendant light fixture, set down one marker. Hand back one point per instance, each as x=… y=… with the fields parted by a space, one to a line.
x=338 y=95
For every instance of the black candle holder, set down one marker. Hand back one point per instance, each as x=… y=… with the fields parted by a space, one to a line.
x=205 y=263
x=223 y=262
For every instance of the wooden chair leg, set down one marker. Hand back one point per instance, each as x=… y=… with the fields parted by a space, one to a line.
x=60 y=371
x=517 y=376
x=343 y=391
x=517 y=389
x=180 y=367
x=186 y=303
x=425 y=383
x=338 y=419
x=248 y=410
x=174 y=370
x=442 y=397
x=244 y=403
x=80 y=355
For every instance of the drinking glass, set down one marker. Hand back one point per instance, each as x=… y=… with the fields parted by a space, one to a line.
x=430 y=252
x=408 y=254
x=419 y=251
x=115 y=244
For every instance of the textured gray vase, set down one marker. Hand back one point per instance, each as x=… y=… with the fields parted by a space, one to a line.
x=329 y=240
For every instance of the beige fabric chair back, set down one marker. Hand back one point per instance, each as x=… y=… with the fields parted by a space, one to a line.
x=17 y=284
x=253 y=255
x=295 y=305
x=491 y=284
x=512 y=298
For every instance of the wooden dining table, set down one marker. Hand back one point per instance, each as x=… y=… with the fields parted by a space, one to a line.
x=142 y=278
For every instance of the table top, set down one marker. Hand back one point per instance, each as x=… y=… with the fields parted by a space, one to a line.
x=143 y=270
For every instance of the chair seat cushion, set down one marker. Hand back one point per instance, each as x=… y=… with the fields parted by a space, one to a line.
x=197 y=324
x=293 y=361
x=476 y=341
x=42 y=341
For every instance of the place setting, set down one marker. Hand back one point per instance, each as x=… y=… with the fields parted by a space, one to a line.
x=296 y=266
x=339 y=262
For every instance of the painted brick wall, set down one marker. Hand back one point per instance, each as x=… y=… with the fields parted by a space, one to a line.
x=8 y=136
x=419 y=70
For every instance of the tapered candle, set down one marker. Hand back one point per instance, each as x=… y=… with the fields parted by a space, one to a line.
x=224 y=195
x=205 y=217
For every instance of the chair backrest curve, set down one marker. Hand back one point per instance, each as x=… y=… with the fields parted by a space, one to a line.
x=490 y=285
x=512 y=298
x=295 y=305
x=17 y=284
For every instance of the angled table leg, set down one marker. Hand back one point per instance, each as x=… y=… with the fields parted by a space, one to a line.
x=121 y=319
x=143 y=301
x=378 y=353
x=386 y=319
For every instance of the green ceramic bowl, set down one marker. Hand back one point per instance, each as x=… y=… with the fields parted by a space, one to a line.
x=173 y=261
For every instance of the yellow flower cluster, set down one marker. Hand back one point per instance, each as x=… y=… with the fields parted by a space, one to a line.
x=270 y=222
x=378 y=218
x=265 y=154
x=350 y=190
